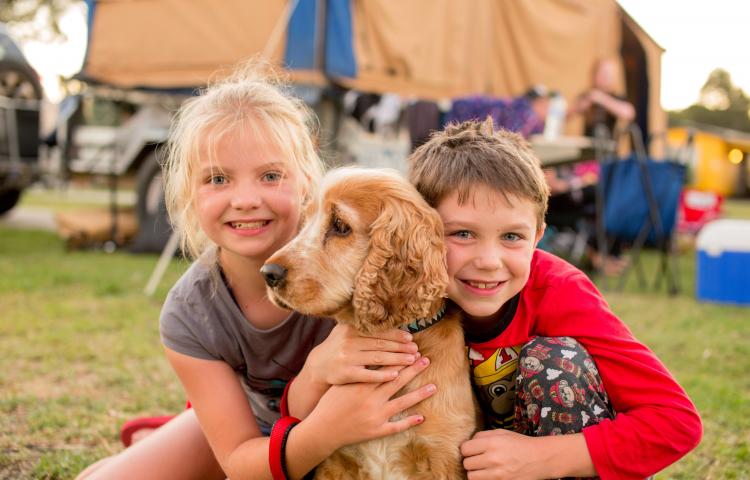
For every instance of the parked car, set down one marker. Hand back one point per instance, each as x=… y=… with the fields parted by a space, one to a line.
x=20 y=102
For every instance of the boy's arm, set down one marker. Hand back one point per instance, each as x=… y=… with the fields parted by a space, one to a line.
x=656 y=423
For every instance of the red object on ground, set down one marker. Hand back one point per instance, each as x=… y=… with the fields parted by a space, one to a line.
x=696 y=208
x=132 y=426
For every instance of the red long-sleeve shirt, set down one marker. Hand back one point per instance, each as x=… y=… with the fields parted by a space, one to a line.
x=656 y=423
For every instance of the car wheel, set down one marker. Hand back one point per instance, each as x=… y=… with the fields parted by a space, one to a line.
x=153 y=222
x=8 y=199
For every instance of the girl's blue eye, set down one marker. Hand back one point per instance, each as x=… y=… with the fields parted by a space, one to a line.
x=217 y=180
x=272 y=176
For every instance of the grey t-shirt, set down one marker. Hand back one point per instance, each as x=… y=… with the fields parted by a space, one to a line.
x=201 y=319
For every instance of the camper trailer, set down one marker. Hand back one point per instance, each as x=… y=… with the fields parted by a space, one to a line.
x=144 y=57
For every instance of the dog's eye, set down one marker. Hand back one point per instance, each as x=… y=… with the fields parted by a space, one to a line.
x=340 y=228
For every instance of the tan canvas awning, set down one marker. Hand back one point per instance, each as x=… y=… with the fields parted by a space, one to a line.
x=429 y=49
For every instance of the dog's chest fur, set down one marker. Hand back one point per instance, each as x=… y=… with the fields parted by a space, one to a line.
x=430 y=450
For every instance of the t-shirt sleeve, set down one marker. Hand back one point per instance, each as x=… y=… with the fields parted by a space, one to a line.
x=180 y=328
x=656 y=423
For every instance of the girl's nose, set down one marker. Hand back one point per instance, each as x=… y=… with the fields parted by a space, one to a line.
x=245 y=199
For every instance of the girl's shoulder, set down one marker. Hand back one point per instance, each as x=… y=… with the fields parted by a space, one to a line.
x=201 y=277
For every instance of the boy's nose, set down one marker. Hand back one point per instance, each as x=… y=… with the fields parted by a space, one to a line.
x=488 y=260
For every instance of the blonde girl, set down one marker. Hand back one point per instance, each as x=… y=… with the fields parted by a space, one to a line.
x=241 y=163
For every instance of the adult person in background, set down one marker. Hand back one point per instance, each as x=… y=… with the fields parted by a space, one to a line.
x=572 y=199
x=600 y=105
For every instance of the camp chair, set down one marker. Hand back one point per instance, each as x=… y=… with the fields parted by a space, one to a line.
x=637 y=199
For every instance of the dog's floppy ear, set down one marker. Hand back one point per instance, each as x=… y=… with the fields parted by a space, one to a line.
x=405 y=268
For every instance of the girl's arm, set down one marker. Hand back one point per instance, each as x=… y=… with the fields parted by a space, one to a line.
x=342 y=358
x=230 y=427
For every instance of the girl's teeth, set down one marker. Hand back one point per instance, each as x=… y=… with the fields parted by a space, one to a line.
x=248 y=225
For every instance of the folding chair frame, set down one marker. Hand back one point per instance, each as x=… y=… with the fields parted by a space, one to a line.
x=668 y=261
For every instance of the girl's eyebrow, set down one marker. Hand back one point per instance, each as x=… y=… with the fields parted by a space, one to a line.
x=209 y=169
x=271 y=165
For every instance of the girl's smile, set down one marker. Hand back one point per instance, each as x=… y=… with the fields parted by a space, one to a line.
x=248 y=200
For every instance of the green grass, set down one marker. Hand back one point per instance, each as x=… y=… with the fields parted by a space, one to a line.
x=72 y=199
x=81 y=354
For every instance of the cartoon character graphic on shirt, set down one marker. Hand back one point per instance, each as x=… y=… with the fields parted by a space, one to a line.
x=494 y=381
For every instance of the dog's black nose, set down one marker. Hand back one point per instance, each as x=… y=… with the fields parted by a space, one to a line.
x=274 y=274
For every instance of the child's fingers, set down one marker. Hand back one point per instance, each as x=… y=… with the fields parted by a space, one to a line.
x=387 y=345
x=475 y=462
x=405 y=376
x=472 y=447
x=365 y=375
x=398 y=426
x=398 y=405
x=384 y=358
x=395 y=335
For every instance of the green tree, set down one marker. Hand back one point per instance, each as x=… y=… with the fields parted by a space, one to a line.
x=721 y=103
x=40 y=18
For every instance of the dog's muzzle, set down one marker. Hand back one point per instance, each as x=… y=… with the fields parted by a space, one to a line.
x=274 y=275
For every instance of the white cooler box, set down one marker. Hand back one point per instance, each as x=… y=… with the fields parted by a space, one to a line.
x=723 y=263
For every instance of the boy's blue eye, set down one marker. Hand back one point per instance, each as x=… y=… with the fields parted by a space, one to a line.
x=513 y=237
x=463 y=234
x=217 y=179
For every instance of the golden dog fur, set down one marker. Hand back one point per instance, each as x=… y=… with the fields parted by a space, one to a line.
x=371 y=255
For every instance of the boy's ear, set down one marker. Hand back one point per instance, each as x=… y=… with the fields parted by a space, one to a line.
x=539 y=234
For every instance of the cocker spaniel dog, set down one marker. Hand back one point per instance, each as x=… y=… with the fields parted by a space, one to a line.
x=371 y=255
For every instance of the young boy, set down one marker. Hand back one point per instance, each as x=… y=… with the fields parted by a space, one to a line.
x=548 y=356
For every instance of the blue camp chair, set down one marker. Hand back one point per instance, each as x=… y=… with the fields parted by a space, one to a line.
x=637 y=200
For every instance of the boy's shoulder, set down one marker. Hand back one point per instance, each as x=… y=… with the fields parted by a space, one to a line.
x=548 y=270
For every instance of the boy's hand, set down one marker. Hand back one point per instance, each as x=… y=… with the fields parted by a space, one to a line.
x=500 y=454
x=345 y=355
x=357 y=412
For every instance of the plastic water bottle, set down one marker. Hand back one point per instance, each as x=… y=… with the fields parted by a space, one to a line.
x=555 y=121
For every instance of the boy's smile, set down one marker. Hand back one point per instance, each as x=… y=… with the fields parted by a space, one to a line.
x=490 y=240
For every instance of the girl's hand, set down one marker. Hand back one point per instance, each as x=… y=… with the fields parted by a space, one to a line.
x=500 y=454
x=356 y=412
x=345 y=355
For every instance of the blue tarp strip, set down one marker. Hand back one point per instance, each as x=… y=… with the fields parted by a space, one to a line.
x=91 y=7
x=339 y=59
x=300 y=41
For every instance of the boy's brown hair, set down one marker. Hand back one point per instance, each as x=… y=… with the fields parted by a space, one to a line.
x=473 y=153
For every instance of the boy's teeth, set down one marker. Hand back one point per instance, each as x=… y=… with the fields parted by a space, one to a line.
x=248 y=224
x=483 y=286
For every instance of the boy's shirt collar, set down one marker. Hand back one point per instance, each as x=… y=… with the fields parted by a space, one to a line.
x=496 y=328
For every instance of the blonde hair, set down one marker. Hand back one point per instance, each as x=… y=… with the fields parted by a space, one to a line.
x=251 y=97
x=472 y=153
